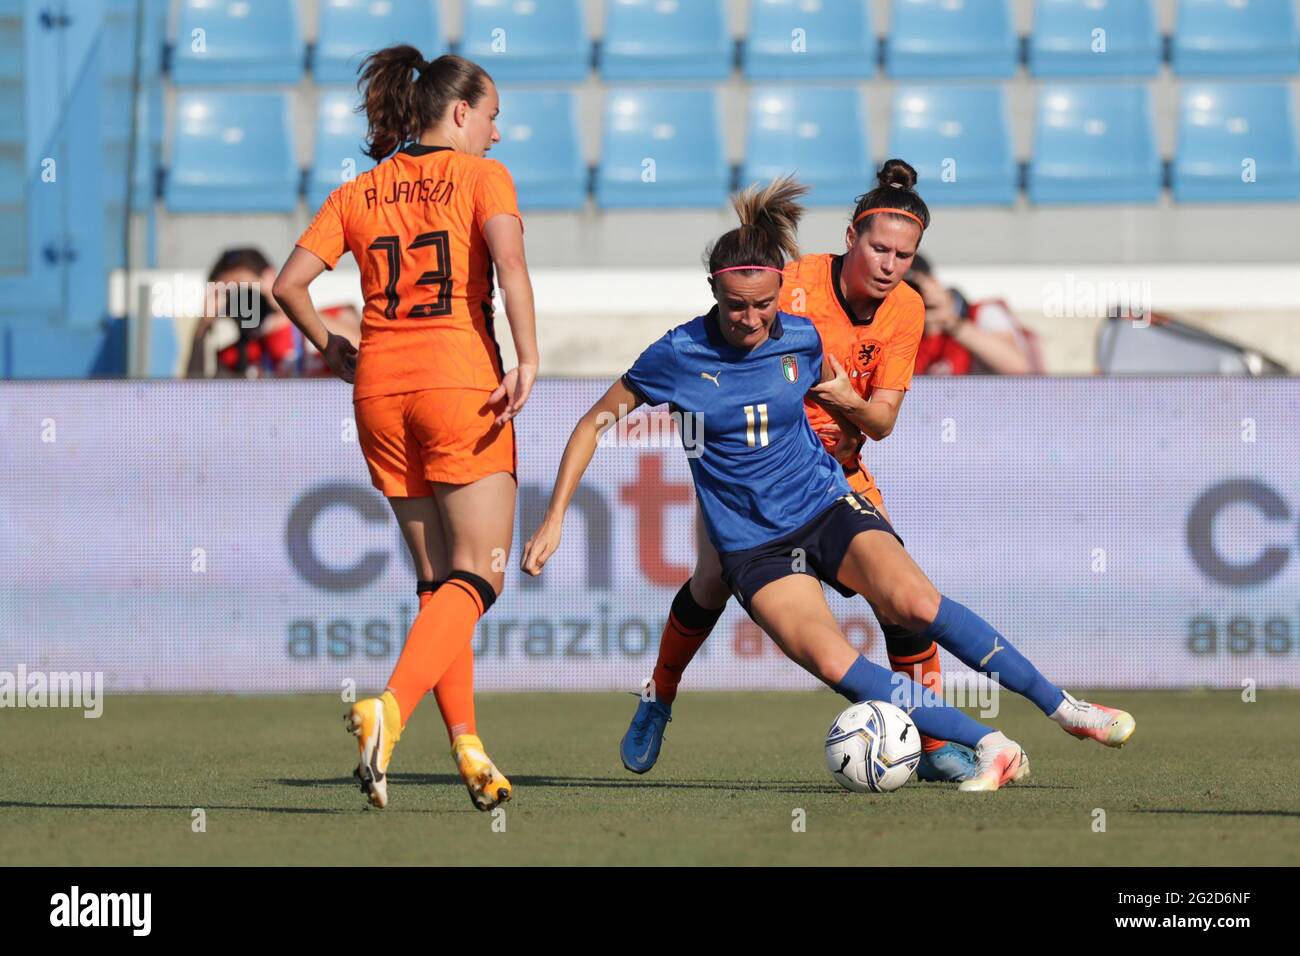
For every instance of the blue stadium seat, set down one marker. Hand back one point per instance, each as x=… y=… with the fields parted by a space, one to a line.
x=661 y=148
x=541 y=147
x=350 y=29
x=1094 y=143
x=242 y=41
x=658 y=40
x=816 y=133
x=942 y=38
x=1224 y=128
x=524 y=42
x=958 y=139
x=232 y=152
x=1064 y=41
x=836 y=40
x=1224 y=37
x=340 y=138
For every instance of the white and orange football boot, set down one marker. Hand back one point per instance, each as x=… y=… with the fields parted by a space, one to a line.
x=998 y=762
x=377 y=724
x=1106 y=725
x=487 y=785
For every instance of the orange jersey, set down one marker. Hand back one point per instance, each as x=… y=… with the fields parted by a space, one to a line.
x=879 y=353
x=414 y=224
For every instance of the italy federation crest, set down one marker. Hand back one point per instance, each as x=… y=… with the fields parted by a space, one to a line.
x=790 y=368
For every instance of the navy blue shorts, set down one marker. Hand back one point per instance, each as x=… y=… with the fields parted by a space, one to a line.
x=816 y=549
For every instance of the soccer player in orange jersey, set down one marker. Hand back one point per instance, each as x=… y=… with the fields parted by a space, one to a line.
x=429 y=227
x=871 y=325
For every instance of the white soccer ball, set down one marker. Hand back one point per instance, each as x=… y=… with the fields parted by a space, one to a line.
x=872 y=746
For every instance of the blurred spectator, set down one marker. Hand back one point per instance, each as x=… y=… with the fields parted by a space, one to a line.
x=969 y=338
x=254 y=337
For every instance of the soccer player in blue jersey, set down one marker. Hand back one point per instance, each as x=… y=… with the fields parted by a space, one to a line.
x=777 y=506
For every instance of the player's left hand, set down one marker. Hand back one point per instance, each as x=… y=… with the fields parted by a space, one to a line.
x=837 y=392
x=540 y=547
x=516 y=386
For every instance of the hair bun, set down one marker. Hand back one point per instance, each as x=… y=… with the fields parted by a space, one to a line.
x=897 y=174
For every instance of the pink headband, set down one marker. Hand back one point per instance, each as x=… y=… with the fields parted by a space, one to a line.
x=738 y=268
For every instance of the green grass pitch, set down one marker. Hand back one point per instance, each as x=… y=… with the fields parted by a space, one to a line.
x=1207 y=780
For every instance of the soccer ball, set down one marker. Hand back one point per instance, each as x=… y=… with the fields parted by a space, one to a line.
x=872 y=746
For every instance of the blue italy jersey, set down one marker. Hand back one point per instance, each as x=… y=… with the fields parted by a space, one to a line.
x=760 y=472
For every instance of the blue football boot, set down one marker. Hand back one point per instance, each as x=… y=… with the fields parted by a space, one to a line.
x=951 y=763
x=645 y=735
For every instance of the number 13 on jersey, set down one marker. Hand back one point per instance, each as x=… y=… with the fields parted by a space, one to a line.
x=438 y=279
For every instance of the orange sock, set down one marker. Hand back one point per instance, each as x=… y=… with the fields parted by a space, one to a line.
x=689 y=625
x=923 y=668
x=442 y=631
x=455 y=692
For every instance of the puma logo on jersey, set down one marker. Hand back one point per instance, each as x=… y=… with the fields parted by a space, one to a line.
x=713 y=378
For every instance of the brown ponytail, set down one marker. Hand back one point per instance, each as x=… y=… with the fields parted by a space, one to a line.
x=895 y=190
x=769 y=224
x=402 y=95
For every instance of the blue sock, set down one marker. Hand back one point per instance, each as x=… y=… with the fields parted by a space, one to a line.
x=868 y=681
x=976 y=644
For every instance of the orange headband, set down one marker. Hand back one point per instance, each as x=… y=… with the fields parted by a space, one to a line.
x=900 y=212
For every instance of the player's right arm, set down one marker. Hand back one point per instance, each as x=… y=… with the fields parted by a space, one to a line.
x=318 y=249
x=291 y=292
x=617 y=402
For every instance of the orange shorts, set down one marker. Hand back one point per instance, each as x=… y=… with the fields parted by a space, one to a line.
x=445 y=435
x=860 y=480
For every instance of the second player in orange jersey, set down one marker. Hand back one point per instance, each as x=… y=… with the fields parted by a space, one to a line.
x=431 y=228
x=875 y=354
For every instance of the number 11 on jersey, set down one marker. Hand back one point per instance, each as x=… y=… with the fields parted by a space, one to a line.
x=762 y=425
